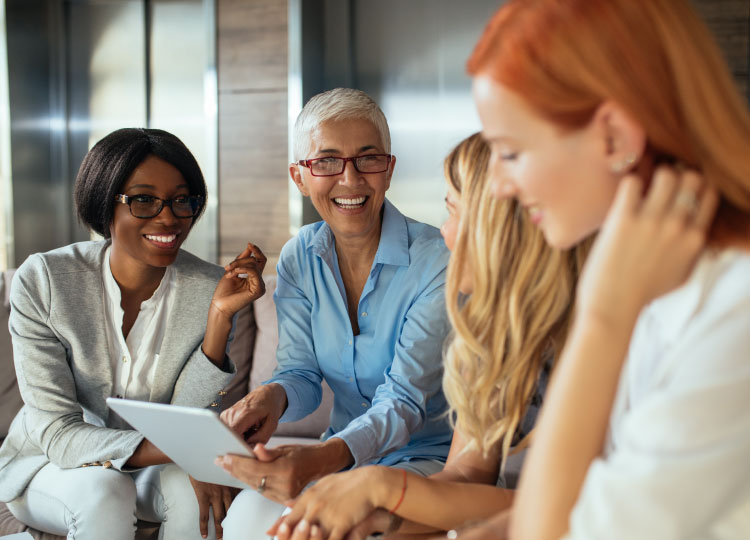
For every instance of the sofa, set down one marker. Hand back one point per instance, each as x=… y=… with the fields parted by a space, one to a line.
x=253 y=350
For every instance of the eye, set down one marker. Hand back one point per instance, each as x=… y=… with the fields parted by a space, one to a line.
x=508 y=156
x=143 y=199
x=328 y=160
x=182 y=199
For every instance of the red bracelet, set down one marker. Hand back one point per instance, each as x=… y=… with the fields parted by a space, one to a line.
x=403 y=492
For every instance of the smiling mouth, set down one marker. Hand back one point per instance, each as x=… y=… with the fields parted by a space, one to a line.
x=162 y=240
x=350 y=203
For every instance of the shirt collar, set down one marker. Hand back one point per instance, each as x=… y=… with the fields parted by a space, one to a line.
x=393 y=247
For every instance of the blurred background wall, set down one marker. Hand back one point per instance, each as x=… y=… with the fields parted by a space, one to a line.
x=229 y=77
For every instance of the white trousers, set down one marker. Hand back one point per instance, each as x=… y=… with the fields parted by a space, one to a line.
x=94 y=503
x=251 y=514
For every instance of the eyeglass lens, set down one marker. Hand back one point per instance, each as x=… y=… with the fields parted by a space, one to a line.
x=335 y=165
x=146 y=206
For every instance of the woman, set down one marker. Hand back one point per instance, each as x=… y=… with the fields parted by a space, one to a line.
x=360 y=303
x=646 y=430
x=130 y=316
x=506 y=332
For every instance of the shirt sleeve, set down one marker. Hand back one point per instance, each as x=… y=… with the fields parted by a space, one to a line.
x=297 y=371
x=52 y=416
x=399 y=406
x=681 y=453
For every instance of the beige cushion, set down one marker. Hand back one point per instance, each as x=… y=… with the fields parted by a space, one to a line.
x=264 y=362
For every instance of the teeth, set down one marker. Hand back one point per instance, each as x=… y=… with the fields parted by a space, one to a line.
x=162 y=239
x=349 y=202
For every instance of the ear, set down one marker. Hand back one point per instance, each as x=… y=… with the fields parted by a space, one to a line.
x=296 y=176
x=391 y=166
x=623 y=138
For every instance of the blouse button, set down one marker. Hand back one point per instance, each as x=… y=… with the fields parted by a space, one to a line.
x=364 y=314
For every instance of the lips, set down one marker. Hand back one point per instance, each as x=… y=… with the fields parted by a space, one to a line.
x=350 y=203
x=168 y=240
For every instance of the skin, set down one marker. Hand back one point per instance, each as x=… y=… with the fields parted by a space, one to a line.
x=138 y=264
x=647 y=246
x=355 y=503
x=288 y=469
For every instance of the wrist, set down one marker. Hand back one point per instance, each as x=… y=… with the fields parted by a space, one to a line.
x=278 y=397
x=219 y=318
x=333 y=455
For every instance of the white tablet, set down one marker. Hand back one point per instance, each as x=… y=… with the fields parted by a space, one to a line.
x=191 y=437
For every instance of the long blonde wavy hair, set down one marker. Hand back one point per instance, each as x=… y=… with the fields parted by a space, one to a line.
x=517 y=314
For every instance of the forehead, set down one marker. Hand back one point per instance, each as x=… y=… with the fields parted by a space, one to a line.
x=504 y=114
x=156 y=174
x=345 y=136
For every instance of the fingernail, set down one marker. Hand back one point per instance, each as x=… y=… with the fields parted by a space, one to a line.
x=284 y=528
x=314 y=530
x=303 y=525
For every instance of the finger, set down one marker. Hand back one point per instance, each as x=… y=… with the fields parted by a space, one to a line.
x=316 y=532
x=257 y=253
x=241 y=467
x=219 y=515
x=686 y=199
x=302 y=530
x=707 y=205
x=227 y=496
x=203 y=517
x=628 y=197
x=263 y=433
x=264 y=454
x=662 y=191
x=274 y=529
x=283 y=531
x=337 y=534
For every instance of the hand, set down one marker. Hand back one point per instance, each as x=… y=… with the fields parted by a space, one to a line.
x=335 y=505
x=287 y=469
x=647 y=245
x=379 y=521
x=212 y=496
x=233 y=292
x=256 y=416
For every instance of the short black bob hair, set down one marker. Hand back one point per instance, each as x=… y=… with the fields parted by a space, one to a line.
x=112 y=160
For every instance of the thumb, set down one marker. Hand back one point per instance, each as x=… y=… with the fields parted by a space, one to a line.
x=265 y=454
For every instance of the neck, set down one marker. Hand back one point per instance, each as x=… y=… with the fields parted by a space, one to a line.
x=356 y=254
x=133 y=277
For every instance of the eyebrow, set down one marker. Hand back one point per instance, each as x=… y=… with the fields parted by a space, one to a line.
x=337 y=151
x=149 y=186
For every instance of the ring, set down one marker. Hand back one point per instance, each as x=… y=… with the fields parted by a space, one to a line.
x=262 y=485
x=687 y=201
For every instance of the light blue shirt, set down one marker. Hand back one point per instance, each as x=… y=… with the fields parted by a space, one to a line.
x=388 y=402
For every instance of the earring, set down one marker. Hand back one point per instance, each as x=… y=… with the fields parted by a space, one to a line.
x=623 y=165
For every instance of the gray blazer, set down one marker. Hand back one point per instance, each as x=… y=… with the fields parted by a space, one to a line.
x=61 y=355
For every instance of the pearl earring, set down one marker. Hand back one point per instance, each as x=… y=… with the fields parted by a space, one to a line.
x=623 y=165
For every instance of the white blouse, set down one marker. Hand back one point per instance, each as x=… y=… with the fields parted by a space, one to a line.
x=677 y=459
x=134 y=359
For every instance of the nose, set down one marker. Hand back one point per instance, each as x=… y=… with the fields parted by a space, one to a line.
x=503 y=186
x=166 y=215
x=350 y=176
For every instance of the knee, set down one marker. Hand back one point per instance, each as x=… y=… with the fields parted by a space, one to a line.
x=249 y=516
x=178 y=493
x=108 y=490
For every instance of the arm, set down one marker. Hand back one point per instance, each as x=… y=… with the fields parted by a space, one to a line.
x=464 y=491
x=53 y=417
x=646 y=248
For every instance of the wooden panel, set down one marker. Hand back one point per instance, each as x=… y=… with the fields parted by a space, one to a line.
x=253 y=193
x=252 y=45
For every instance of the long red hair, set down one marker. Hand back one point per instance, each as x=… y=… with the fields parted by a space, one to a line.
x=655 y=58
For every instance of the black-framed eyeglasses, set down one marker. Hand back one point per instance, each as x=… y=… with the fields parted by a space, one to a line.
x=332 y=166
x=148 y=206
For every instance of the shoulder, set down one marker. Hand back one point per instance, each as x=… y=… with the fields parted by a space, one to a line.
x=297 y=249
x=78 y=257
x=189 y=266
x=426 y=246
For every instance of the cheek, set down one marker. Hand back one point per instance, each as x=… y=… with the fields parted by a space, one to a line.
x=448 y=230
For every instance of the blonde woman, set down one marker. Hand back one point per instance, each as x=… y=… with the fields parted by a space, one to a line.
x=631 y=126
x=506 y=331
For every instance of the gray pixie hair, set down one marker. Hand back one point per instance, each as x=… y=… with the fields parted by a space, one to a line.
x=338 y=104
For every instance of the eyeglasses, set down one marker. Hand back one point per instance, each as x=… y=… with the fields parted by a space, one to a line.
x=148 y=206
x=332 y=166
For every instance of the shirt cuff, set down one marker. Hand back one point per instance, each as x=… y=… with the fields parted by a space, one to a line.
x=359 y=438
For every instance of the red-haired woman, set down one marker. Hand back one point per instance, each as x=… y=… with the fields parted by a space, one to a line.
x=620 y=116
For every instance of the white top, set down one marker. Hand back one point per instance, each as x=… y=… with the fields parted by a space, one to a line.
x=677 y=460
x=134 y=359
